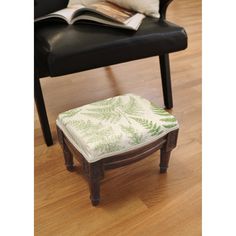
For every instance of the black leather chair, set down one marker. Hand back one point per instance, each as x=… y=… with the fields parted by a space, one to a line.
x=61 y=49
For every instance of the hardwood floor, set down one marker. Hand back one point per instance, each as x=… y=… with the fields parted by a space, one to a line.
x=136 y=199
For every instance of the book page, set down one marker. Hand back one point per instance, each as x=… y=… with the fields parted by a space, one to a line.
x=132 y=23
x=113 y=11
x=135 y=21
x=68 y=12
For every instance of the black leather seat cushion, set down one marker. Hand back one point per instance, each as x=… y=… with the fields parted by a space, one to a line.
x=63 y=49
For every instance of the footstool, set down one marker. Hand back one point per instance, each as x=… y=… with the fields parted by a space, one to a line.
x=115 y=132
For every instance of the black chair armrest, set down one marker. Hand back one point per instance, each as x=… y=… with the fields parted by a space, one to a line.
x=163 y=7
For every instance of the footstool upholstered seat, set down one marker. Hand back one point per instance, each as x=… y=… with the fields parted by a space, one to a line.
x=115 y=132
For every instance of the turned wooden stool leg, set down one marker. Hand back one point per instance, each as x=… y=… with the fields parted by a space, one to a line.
x=67 y=153
x=96 y=173
x=94 y=186
x=165 y=157
x=171 y=141
x=68 y=158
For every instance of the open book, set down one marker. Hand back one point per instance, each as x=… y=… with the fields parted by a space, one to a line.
x=103 y=12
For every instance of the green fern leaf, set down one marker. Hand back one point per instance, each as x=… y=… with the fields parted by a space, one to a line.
x=106 y=112
x=113 y=117
x=169 y=126
x=154 y=129
x=107 y=147
x=159 y=111
x=70 y=113
x=84 y=126
x=169 y=119
x=102 y=137
x=101 y=134
x=108 y=144
x=135 y=137
x=132 y=108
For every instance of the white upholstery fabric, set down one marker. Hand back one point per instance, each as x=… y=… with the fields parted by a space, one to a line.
x=147 y=7
x=83 y=2
x=115 y=125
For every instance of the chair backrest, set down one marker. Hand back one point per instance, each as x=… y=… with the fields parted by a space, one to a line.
x=43 y=7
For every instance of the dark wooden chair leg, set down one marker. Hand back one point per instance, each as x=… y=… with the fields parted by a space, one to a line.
x=166 y=80
x=165 y=157
x=39 y=101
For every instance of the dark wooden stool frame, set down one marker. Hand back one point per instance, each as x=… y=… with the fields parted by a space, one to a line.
x=94 y=172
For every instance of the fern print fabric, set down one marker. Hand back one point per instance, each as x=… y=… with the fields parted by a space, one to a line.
x=115 y=125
